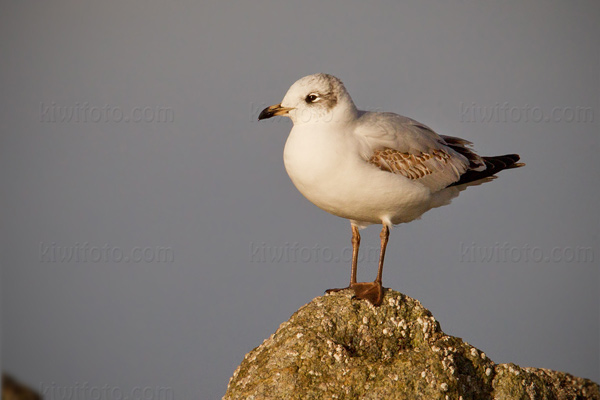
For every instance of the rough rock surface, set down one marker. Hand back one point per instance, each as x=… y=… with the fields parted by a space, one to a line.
x=336 y=347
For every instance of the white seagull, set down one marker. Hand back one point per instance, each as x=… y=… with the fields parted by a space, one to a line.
x=372 y=167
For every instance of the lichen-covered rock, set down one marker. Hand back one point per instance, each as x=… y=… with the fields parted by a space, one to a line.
x=337 y=347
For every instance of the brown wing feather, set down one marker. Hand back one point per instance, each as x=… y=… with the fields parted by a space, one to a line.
x=415 y=166
x=412 y=166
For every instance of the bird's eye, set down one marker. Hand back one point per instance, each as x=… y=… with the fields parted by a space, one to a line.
x=311 y=98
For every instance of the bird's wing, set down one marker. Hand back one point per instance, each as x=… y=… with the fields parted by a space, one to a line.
x=404 y=146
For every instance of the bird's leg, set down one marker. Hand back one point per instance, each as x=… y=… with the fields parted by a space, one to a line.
x=355 y=247
x=384 y=236
x=373 y=291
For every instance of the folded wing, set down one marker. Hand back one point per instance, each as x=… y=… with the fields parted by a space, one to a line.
x=401 y=145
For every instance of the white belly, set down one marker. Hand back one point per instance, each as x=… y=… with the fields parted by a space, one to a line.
x=330 y=173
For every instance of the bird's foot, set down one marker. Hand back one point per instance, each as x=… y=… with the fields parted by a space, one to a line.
x=371 y=291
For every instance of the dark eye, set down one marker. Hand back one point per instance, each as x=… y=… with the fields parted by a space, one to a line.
x=311 y=98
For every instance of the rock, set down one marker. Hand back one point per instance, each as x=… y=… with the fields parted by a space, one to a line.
x=336 y=347
x=14 y=390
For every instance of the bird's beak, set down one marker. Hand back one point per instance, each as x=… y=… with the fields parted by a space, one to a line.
x=273 y=111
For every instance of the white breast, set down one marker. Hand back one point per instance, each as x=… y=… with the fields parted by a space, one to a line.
x=327 y=169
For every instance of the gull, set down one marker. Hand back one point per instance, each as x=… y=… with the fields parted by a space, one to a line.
x=372 y=167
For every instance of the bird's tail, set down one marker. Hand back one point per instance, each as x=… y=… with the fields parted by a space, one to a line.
x=493 y=165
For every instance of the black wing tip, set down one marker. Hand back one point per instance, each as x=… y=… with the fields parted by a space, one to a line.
x=509 y=160
x=494 y=164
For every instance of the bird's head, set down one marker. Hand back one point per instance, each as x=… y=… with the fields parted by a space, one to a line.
x=318 y=98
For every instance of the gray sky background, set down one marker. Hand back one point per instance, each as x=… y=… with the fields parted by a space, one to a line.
x=200 y=180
